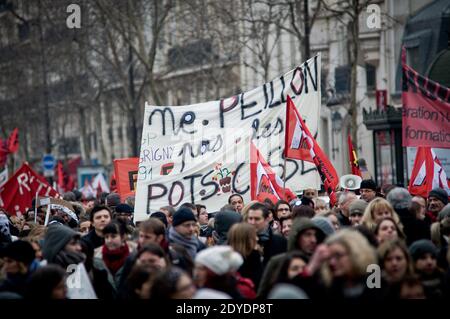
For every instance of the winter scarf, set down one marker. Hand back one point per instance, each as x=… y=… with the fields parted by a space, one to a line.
x=264 y=235
x=115 y=258
x=191 y=244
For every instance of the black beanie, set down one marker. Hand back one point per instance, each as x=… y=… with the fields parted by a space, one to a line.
x=183 y=215
x=368 y=184
x=19 y=250
x=440 y=194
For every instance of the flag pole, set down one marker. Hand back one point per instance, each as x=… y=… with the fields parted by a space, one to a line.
x=284 y=179
x=35 y=207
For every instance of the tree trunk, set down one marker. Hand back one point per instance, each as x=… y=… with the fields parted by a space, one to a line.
x=85 y=154
x=354 y=81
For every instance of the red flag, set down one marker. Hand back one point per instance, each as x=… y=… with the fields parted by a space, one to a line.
x=70 y=183
x=18 y=192
x=426 y=110
x=60 y=177
x=126 y=173
x=13 y=141
x=295 y=145
x=352 y=157
x=264 y=183
x=296 y=136
x=113 y=183
x=427 y=173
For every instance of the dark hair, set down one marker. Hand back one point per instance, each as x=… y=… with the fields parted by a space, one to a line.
x=153 y=249
x=170 y=209
x=166 y=282
x=227 y=208
x=277 y=205
x=232 y=195
x=262 y=207
x=307 y=202
x=283 y=219
x=98 y=208
x=43 y=281
x=270 y=206
x=138 y=276
x=116 y=226
x=153 y=225
x=282 y=276
x=303 y=211
x=199 y=208
x=78 y=195
x=189 y=205
x=368 y=234
x=281 y=201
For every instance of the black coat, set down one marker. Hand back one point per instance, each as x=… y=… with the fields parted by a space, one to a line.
x=91 y=241
x=252 y=268
x=275 y=245
x=343 y=220
x=414 y=229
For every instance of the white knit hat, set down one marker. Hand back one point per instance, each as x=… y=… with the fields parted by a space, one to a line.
x=220 y=259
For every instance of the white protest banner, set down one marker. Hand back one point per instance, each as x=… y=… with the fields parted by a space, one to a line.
x=4 y=176
x=200 y=153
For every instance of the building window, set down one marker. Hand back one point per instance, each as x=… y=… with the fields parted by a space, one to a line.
x=342 y=79
x=371 y=77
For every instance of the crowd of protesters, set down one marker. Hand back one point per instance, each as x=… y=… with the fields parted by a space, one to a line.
x=375 y=243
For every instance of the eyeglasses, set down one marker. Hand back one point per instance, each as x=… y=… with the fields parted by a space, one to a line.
x=283 y=209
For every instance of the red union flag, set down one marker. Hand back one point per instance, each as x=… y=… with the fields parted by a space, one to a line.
x=18 y=192
x=126 y=173
x=427 y=173
x=299 y=140
x=426 y=110
x=264 y=183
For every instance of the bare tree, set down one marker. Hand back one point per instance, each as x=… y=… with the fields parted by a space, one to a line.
x=348 y=12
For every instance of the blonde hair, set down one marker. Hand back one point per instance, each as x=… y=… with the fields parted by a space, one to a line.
x=242 y=237
x=38 y=232
x=368 y=218
x=360 y=252
x=244 y=211
x=438 y=229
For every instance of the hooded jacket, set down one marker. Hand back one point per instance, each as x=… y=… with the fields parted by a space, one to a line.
x=56 y=238
x=273 y=266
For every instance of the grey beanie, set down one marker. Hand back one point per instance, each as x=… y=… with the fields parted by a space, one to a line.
x=287 y=291
x=324 y=224
x=358 y=206
x=422 y=247
x=399 y=198
x=56 y=238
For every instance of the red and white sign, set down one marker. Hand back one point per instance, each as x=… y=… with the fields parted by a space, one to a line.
x=126 y=173
x=18 y=192
x=426 y=110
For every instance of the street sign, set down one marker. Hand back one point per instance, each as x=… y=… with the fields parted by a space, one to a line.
x=48 y=162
